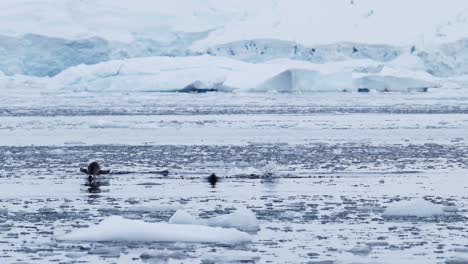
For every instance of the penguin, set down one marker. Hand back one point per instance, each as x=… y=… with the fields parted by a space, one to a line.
x=93 y=170
x=213 y=179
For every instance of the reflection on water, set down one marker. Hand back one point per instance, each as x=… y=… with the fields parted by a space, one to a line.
x=95 y=185
x=270 y=181
x=94 y=189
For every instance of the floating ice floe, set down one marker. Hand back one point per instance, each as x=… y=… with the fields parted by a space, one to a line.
x=414 y=208
x=362 y=250
x=117 y=228
x=57 y=151
x=243 y=219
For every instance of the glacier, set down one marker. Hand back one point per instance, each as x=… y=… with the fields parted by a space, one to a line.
x=160 y=47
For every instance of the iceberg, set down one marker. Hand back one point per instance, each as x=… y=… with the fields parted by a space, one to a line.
x=301 y=80
x=207 y=73
x=117 y=228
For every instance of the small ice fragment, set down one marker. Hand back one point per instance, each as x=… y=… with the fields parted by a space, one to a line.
x=181 y=217
x=415 y=208
x=361 y=250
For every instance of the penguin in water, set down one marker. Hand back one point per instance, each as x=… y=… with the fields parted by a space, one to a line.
x=213 y=179
x=93 y=170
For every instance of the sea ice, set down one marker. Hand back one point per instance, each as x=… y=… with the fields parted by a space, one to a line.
x=117 y=228
x=416 y=208
x=243 y=219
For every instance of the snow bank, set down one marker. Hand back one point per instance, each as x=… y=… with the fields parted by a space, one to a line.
x=415 y=208
x=116 y=228
x=243 y=219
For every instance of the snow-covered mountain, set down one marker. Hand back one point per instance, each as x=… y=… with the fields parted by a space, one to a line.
x=417 y=42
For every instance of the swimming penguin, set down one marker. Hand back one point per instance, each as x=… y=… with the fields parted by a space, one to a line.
x=213 y=179
x=93 y=170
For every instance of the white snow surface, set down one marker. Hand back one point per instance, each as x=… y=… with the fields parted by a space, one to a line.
x=117 y=228
x=243 y=219
x=416 y=208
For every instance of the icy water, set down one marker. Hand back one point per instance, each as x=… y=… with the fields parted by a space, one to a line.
x=317 y=170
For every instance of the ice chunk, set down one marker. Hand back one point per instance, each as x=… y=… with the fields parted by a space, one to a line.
x=117 y=228
x=303 y=80
x=361 y=250
x=181 y=217
x=243 y=219
x=292 y=80
x=415 y=208
x=148 y=74
x=56 y=151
